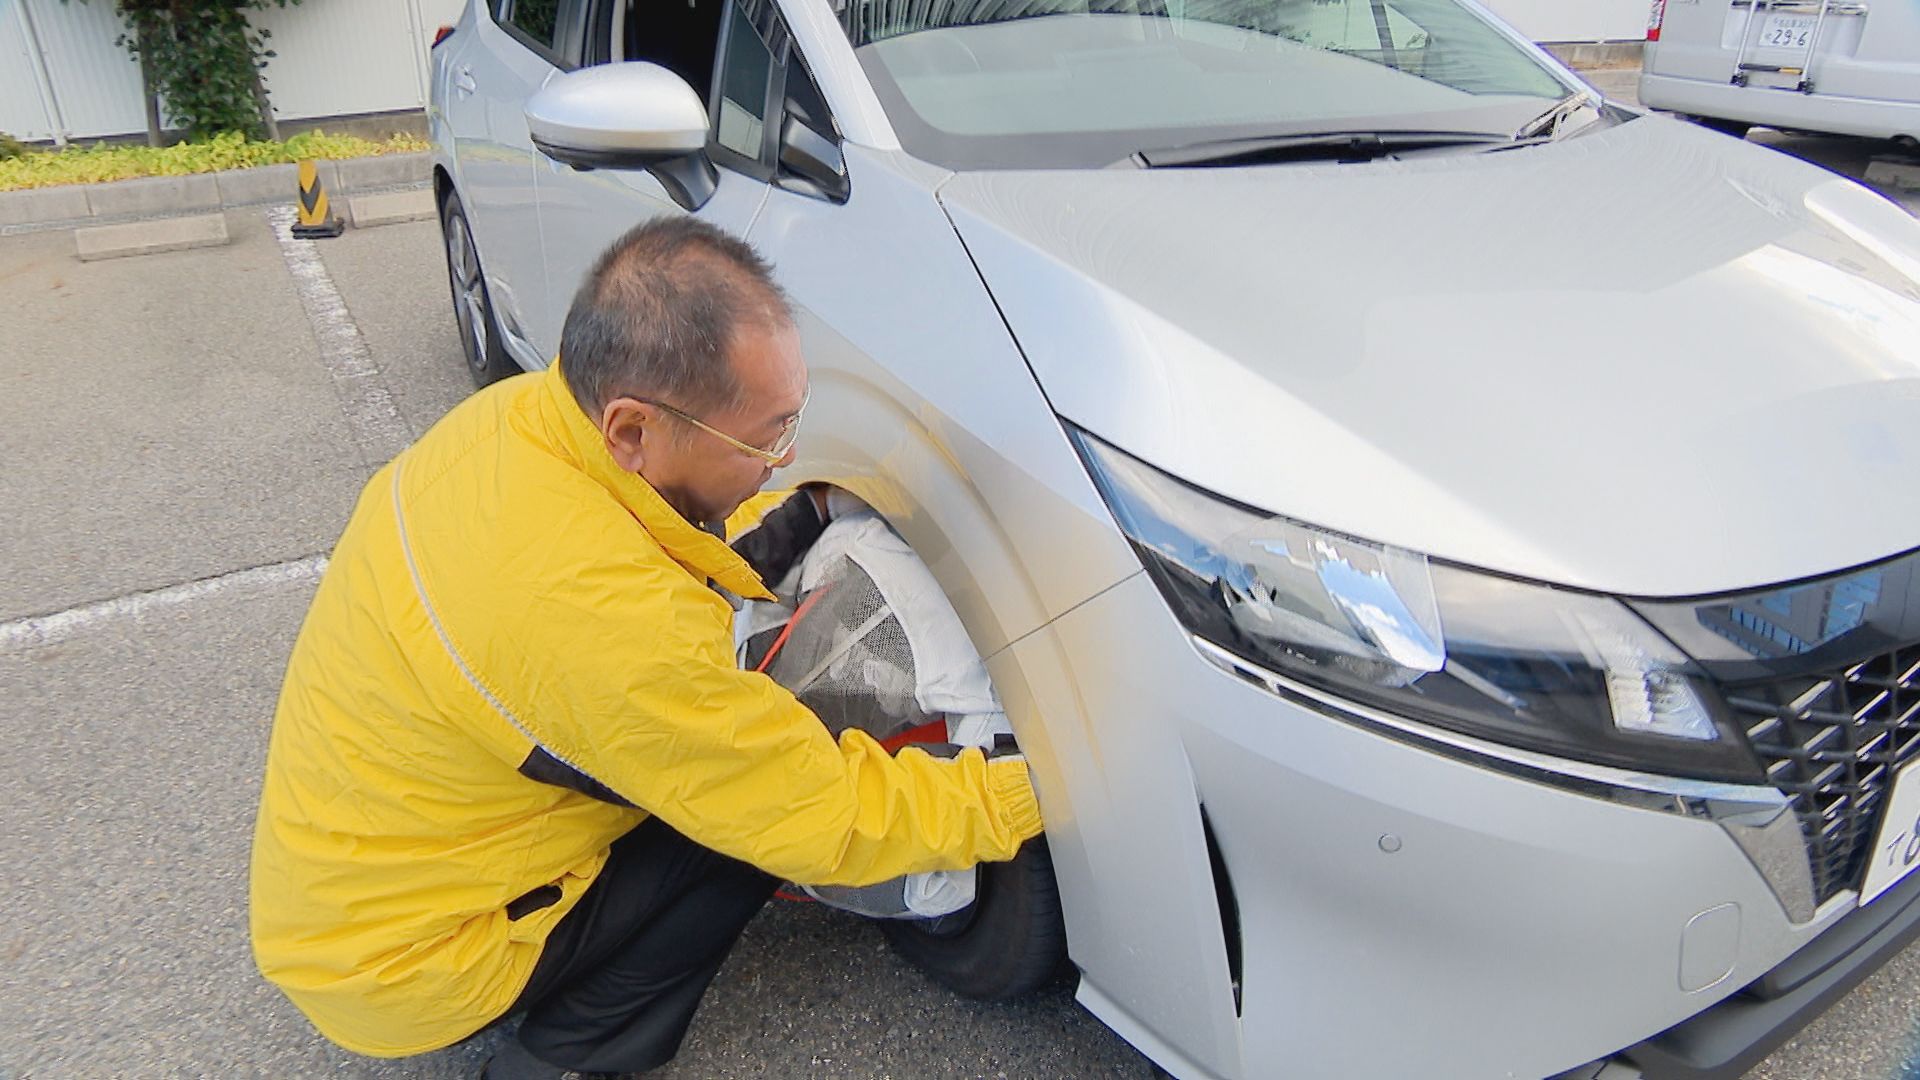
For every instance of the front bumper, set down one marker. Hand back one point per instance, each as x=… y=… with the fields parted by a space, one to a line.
x=1733 y=1036
x=1374 y=908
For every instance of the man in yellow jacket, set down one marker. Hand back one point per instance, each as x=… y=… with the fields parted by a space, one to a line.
x=514 y=766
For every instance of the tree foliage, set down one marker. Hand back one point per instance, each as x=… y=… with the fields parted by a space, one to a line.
x=203 y=58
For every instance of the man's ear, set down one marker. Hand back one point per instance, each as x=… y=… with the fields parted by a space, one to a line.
x=625 y=424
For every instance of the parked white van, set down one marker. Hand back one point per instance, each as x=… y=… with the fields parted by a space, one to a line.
x=1850 y=67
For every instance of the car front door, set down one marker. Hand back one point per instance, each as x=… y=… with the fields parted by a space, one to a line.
x=727 y=56
x=519 y=45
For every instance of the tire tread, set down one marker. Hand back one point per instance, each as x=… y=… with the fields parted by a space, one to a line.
x=1017 y=942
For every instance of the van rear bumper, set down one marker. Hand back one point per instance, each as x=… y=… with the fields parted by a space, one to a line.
x=1868 y=117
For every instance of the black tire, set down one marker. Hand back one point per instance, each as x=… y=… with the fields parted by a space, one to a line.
x=1010 y=942
x=487 y=358
x=1736 y=128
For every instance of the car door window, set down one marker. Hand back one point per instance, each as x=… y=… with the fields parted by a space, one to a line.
x=538 y=20
x=754 y=37
x=534 y=23
x=680 y=35
x=737 y=55
x=550 y=28
x=809 y=157
x=805 y=102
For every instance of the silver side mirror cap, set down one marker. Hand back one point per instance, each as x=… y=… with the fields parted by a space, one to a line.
x=627 y=116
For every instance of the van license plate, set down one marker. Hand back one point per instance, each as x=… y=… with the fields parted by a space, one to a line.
x=1896 y=853
x=1787 y=32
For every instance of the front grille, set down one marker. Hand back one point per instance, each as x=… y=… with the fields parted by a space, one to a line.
x=1832 y=743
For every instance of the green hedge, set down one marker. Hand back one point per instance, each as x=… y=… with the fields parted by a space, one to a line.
x=89 y=165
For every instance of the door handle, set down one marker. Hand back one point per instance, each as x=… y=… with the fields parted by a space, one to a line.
x=463 y=81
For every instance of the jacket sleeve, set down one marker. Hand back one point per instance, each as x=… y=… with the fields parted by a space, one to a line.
x=637 y=688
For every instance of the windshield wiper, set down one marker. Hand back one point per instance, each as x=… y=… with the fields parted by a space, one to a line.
x=1318 y=146
x=1546 y=122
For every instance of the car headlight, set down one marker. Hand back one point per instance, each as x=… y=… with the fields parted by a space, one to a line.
x=1561 y=672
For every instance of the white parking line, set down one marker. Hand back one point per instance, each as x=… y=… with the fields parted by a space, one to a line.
x=378 y=430
x=39 y=630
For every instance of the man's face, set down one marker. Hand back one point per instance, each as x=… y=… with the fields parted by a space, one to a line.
x=700 y=474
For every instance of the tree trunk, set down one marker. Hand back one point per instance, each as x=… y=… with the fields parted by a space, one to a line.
x=152 y=98
x=150 y=94
x=266 y=107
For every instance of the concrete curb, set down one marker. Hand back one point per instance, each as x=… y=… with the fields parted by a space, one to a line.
x=149 y=237
x=268 y=183
x=157 y=196
x=152 y=195
x=387 y=170
x=390 y=208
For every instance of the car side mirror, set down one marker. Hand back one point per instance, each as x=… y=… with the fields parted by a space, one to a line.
x=627 y=116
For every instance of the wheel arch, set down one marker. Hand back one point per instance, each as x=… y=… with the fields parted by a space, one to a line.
x=442 y=187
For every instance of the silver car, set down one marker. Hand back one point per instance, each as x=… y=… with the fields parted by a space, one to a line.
x=1447 y=543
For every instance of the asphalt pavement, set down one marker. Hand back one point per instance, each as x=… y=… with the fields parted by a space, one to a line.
x=181 y=449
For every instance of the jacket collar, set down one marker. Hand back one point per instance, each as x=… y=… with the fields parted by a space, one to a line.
x=580 y=444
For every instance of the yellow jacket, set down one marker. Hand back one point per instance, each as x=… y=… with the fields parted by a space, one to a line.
x=507 y=603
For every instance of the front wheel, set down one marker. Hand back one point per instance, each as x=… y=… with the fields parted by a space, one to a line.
x=1010 y=941
x=487 y=358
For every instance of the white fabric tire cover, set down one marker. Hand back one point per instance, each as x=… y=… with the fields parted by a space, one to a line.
x=949 y=678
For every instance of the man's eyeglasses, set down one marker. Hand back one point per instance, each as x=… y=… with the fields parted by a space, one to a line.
x=772 y=455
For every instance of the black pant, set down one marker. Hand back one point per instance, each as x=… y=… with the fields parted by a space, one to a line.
x=621 y=975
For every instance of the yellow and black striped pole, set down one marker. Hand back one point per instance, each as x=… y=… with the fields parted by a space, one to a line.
x=316 y=219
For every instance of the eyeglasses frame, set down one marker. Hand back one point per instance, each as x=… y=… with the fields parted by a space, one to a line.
x=782 y=446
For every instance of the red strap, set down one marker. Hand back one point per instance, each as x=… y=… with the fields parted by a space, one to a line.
x=934 y=732
x=787 y=630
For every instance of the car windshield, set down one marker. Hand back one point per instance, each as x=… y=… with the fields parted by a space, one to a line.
x=1086 y=83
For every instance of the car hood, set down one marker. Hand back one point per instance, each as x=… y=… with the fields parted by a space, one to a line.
x=1647 y=359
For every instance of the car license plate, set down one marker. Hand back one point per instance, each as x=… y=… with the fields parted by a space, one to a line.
x=1897 y=850
x=1787 y=32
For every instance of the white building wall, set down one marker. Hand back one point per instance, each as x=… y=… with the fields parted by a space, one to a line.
x=23 y=112
x=1575 y=20
x=96 y=84
x=334 y=57
x=351 y=56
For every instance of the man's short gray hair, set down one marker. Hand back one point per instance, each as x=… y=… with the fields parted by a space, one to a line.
x=658 y=312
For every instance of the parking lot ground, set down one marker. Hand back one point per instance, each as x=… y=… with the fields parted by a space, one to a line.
x=393 y=280
x=180 y=454
x=164 y=418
